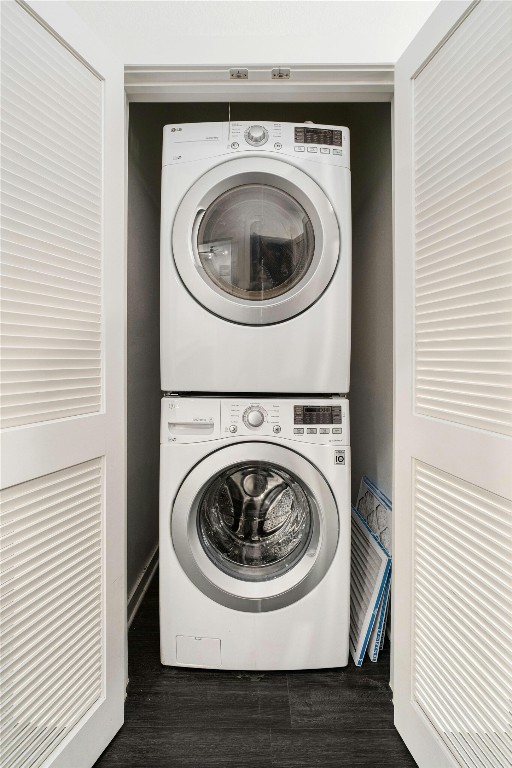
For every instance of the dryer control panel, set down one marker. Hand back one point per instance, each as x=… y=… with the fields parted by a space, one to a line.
x=325 y=144
x=312 y=420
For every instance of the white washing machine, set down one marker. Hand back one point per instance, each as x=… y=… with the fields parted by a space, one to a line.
x=255 y=258
x=255 y=533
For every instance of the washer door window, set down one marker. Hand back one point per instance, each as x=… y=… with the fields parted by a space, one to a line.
x=256 y=241
x=255 y=526
x=255 y=520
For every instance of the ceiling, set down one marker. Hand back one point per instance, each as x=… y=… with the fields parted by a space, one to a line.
x=238 y=32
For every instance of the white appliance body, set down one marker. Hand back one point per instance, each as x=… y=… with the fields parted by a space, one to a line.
x=277 y=601
x=255 y=258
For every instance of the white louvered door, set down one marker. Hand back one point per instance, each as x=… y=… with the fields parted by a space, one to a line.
x=62 y=386
x=452 y=583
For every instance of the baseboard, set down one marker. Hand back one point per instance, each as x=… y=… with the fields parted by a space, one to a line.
x=141 y=587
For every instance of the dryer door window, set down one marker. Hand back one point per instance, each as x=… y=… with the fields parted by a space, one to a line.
x=255 y=520
x=256 y=242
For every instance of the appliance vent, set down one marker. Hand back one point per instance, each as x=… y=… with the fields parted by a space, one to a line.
x=51 y=220
x=463 y=615
x=463 y=225
x=51 y=607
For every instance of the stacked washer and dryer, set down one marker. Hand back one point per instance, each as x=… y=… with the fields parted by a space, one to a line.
x=255 y=361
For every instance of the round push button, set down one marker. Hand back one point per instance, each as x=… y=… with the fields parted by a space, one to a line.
x=233 y=428
x=277 y=429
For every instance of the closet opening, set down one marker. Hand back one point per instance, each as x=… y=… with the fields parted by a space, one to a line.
x=371 y=386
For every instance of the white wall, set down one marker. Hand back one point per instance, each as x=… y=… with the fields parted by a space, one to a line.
x=236 y=32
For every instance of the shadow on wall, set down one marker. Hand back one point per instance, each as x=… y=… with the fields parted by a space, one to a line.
x=143 y=356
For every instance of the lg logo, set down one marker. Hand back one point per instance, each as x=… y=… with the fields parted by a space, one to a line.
x=175 y=129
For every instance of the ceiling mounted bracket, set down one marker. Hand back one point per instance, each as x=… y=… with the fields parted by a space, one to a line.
x=238 y=74
x=280 y=73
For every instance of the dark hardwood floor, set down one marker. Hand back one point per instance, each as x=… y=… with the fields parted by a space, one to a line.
x=196 y=718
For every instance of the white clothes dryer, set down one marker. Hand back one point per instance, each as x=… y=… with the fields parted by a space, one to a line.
x=255 y=533
x=255 y=258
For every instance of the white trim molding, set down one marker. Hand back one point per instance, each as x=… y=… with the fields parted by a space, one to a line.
x=141 y=587
x=311 y=83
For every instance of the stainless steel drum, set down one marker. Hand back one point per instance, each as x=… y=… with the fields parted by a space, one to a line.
x=254 y=520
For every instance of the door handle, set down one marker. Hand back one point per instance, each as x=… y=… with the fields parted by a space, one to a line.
x=195 y=230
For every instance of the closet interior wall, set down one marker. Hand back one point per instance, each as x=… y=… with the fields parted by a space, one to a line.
x=371 y=391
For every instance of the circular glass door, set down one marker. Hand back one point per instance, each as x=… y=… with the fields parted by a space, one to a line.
x=255 y=526
x=255 y=520
x=255 y=240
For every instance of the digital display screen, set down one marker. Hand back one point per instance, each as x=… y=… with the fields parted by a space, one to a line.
x=320 y=136
x=317 y=414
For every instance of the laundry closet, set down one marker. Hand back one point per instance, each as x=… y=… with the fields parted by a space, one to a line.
x=428 y=109
x=371 y=385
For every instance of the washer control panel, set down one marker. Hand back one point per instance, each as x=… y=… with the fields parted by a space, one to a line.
x=196 y=419
x=318 y=421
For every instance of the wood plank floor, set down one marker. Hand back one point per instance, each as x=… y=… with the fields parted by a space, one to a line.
x=195 y=718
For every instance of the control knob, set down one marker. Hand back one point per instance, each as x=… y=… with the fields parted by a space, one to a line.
x=256 y=135
x=254 y=417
